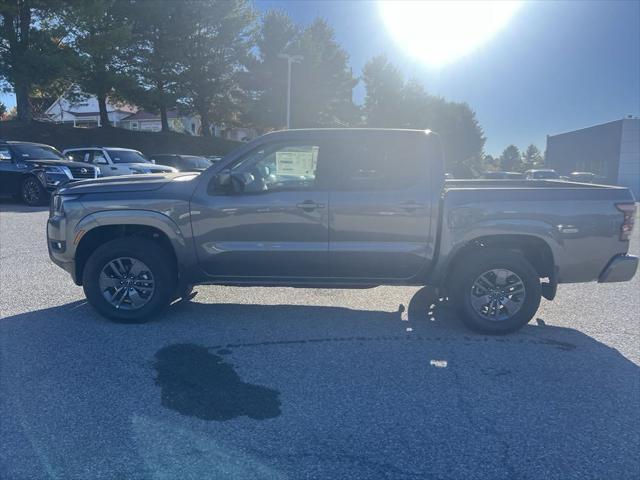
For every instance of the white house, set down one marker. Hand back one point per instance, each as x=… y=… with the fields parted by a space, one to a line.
x=149 y=122
x=83 y=111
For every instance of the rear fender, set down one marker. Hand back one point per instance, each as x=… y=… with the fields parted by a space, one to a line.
x=455 y=238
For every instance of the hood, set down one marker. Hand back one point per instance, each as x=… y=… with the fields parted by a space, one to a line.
x=34 y=162
x=121 y=183
x=150 y=166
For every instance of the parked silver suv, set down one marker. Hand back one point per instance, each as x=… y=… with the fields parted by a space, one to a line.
x=116 y=161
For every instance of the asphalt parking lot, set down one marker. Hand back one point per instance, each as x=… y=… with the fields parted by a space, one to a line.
x=261 y=383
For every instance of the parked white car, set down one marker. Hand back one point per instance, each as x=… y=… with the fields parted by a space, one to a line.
x=116 y=161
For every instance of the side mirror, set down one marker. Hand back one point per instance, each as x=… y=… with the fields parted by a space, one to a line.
x=101 y=161
x=222 y=181
x=231 y=182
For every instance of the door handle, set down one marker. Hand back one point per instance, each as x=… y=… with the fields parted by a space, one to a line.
x=310 y=205
x=412 y=206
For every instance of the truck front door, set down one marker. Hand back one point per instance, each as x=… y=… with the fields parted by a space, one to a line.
x=271 y=222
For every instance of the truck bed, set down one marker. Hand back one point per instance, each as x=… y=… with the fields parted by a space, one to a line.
x=523 y=184
x=578 y=221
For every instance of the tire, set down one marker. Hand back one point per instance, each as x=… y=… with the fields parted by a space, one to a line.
x=154 y=277
x=32 y=192
x=481 y=278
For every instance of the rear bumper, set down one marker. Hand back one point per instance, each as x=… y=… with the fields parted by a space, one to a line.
x=620 y=268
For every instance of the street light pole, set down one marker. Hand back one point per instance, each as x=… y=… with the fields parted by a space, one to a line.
x=290 y=59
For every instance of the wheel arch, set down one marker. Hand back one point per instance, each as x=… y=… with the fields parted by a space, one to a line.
x=101 y=227
x=534 y=249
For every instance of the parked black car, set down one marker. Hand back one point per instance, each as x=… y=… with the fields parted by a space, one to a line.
x=31 y=171
x=184 y=163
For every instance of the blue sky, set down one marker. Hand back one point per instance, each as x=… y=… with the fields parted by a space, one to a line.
x=557 y=66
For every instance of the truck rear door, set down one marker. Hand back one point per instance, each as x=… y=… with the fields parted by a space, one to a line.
x=380 y=206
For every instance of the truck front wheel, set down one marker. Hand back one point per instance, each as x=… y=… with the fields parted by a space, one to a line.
x=496 y=291
x=129 y=279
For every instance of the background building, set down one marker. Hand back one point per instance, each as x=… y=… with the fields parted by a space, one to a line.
x=610 y=150
x=150 y=122
x=81 y=110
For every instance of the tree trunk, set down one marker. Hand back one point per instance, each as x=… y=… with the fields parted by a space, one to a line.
x=164 y=121
x=22 y=102
x=205 y=122
x=104 y=116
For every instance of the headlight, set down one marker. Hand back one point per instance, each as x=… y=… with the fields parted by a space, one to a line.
x=56 y=208
x=54 y=169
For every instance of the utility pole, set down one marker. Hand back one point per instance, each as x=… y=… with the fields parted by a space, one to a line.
x=290 y=59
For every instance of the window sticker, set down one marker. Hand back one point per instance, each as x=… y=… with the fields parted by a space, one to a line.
x=300 y=163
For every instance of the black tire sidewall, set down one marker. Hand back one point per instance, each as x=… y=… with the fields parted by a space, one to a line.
x=487 y=260
x=42 y=193
x=151 y=255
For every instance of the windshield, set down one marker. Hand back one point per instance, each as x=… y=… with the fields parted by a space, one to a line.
x=36 y=152
x=196 y=162
x=127 y=156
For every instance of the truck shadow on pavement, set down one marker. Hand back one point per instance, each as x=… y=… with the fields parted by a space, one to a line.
x=504 y=401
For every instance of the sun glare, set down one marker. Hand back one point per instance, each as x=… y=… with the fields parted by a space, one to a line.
x=439 y=32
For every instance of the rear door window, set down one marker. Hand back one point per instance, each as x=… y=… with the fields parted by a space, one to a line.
x=376 y=165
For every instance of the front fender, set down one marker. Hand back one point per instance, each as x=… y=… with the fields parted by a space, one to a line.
x=136 y=217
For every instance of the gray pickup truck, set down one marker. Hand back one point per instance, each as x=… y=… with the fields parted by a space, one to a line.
x=339 y=208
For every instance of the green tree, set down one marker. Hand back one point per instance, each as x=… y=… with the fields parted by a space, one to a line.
x=157 y=47
x=385 y=91
x=219 y=36
x=322 y=83
x=392 y=102
x=532 y=157
x=3 y=109
x=266 y=78
x=510 y=159
x=101 y=35
x=489 y=163
x=32 y=49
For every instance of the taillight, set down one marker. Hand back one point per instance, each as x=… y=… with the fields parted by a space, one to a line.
x=629 y=212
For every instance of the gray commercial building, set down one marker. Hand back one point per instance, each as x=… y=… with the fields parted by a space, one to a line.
x=610 y=150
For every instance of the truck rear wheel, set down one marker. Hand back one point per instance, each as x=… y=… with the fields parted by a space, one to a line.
x=496 y=291
x=129 y=279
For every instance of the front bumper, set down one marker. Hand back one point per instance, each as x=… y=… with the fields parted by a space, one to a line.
x=620 y=268
x=57 y=247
